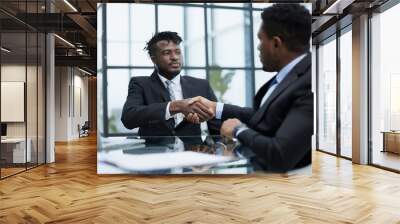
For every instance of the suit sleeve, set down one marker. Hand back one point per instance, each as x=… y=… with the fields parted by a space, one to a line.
x=135 y=113
x=214 y=125
x=242 y=113
x=291 y=142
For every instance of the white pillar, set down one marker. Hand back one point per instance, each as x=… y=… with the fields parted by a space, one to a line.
x=360 y=90
x=50 y=98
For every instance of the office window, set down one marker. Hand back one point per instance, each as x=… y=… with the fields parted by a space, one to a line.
x=118 y=35
x=327 y=96
x=262 y=77
x=228 y=4
x=346 y=94
x=140 y=32
x=118 y=80
x=194 y=44
x=256 y=28
x=197 y=73
x=385 y=88
x=229 y=85
x=226 y=37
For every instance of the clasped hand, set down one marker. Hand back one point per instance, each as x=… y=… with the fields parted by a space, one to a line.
x=196 y=110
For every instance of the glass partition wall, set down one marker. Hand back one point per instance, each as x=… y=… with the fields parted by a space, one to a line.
x=22 y=78
x=334 y=90
x=327 y=95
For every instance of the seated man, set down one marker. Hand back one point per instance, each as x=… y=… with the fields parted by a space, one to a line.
x=158 y=104
x=278 y=128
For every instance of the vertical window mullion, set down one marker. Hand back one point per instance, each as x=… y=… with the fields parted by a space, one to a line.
x=206 y=41
x=338 y=92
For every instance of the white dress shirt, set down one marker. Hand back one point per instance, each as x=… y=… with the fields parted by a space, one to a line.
x=177 y=90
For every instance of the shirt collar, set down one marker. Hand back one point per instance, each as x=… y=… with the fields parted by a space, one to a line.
x=175 y=80
x=288 y=67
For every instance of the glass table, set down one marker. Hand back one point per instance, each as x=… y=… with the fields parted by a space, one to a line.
x=173 y=155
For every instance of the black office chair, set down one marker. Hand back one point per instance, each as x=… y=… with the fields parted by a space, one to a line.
x=84 y=130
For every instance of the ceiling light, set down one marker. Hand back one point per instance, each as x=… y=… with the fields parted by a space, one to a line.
x=338 y=6
x=331 y=7
x=5 y=50
x=65 y=41
x=86 y=72
x=70 y=5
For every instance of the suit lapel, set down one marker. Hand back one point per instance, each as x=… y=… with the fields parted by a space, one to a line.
x=285 y=83
x=158 y=87
x=278 y=90
x=260 y=94
x=186 y=88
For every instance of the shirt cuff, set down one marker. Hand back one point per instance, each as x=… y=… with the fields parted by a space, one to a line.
x=240 y=130
x=167 y=113
x=218 y=110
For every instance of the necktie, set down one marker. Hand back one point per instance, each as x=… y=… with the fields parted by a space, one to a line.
x=177 y=117
x=169 y=88
x=271 y=88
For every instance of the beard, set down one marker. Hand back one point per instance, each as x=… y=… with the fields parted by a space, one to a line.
x=168 y=74
x=268 y=68
x=269 y=64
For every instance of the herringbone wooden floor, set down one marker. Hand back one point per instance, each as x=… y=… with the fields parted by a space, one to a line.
x=70 y=191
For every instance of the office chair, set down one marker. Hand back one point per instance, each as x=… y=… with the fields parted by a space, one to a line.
x=84 y=130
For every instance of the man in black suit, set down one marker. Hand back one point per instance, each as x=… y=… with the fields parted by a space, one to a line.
x=159 y=103
x=279 y=127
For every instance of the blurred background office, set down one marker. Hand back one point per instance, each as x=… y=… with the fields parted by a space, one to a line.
x=219 y=44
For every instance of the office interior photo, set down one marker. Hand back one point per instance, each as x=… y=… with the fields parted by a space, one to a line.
x=59 y=56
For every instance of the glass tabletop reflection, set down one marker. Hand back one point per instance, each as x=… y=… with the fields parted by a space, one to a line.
x=171 y=155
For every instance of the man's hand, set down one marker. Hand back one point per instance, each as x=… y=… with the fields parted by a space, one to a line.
x=208 y=103
x=190 y=106
x=195 y=118
x=228 y=126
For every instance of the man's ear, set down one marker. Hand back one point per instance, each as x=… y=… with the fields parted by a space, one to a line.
x=277 y=42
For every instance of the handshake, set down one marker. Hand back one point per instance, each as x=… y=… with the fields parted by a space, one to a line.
x=196 y=110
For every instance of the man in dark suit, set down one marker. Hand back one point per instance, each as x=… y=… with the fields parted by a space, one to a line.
x=279 y=127
x=159 y=103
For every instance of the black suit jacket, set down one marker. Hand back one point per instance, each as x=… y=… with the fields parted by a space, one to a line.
x=281 y=129
x=146 y=104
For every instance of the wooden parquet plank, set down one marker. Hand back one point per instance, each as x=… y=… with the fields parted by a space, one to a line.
x=70 y=191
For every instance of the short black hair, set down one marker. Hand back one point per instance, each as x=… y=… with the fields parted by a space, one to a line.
x=165 y=35
x=290 y=22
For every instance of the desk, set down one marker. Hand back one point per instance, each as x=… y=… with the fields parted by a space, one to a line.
x=391 y=141
x=171 y=155
x=13 y=150
x=177 y=155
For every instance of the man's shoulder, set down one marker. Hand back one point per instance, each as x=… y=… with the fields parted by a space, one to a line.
x=140 y=79
x=195 y=80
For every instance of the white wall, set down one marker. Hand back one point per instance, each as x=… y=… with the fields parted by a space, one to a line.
x=33 y=125
x=71 y=94
x=61 y=103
